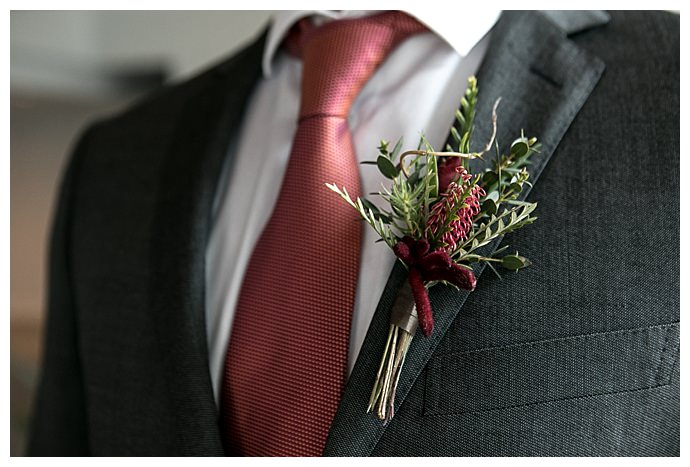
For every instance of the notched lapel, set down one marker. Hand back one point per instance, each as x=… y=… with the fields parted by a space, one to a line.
x=543 y=79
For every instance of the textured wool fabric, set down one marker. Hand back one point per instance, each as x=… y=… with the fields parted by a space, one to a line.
x=286 y=360
x=604 y=261
x=577 y=355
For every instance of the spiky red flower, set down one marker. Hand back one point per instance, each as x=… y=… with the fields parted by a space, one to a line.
x=456 y=194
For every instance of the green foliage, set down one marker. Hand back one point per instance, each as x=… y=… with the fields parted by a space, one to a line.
x=407 y=200
x=386 y=167
x=377 y=222
x=495 y=226
x=514 y=262
x=412 y=196
x=429 y=177
x=504 y=182
x=464 y=117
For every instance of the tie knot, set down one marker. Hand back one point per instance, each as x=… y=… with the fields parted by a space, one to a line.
x=340 y=56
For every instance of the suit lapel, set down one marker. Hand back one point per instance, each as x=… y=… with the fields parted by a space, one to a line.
x=213 y=108
x=544 y=79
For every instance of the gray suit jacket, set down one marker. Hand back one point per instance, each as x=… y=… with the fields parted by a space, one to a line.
x=576 y=355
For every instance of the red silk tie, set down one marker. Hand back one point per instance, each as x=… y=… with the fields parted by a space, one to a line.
x=286 y=361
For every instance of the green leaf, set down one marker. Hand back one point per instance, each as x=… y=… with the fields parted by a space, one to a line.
x=431 y=177
x=374 y=211
x=519 y=147
x=465 y=143
x=377 y=223
x=518 y=203
x=456 y=135
x=386 y=167
x=414 y=179
x=360 y=206
x=501 y=250
x=489 y=178
x=489 y=206
x=460 y=118
x=369 y=205
x=396 y=149
x=514 y=262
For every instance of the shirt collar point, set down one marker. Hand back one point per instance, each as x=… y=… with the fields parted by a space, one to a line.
x=461 y=40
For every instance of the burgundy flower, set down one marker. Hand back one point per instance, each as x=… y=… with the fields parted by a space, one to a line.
x=426 y=265
x=458 y=229
x=448 y=172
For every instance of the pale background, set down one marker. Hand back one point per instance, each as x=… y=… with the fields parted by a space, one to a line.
x=68 y=67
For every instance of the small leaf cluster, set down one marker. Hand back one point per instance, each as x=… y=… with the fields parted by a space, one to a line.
x=386 y=159
x=410 y=197
x=504 y=182
x=493 y=227
x=502 y=212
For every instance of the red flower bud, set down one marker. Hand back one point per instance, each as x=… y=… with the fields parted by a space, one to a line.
x=448 y=172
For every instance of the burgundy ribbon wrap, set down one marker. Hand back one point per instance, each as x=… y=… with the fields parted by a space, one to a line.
x=425 y=266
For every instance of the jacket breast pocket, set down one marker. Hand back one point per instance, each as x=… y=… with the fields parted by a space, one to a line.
x=551 y=370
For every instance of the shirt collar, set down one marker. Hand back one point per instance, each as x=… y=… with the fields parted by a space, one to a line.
x=461 y=39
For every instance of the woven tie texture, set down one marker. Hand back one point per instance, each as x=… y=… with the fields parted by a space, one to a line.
x=286 y=360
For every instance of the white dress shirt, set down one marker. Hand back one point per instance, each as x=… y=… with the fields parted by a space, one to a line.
x=415 y=91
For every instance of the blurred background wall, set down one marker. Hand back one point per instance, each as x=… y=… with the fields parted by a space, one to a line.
x=67 y=68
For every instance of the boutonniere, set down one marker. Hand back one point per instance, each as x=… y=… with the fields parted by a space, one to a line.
x=439 y=215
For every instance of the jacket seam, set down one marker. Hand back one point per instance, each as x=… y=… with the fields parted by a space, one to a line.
x=617 y=333
x=529 y=404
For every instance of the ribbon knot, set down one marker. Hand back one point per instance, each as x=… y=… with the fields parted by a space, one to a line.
x=425 y=266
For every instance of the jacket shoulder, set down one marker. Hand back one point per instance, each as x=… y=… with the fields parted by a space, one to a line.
x=131 y=145
x=646 y=33
x=167 y=102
